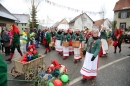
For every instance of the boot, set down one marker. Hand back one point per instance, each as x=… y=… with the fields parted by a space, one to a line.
x=119 y=50
x=83 y=80
x=75 y=61
x=115 y=49
x=11 y=55
x=21 y=53
x=45 y=52
x=64 y=57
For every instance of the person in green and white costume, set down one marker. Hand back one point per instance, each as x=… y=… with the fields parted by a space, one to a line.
x=89 y=68
x=65 y=37
x=103 y=37
x=77 y=37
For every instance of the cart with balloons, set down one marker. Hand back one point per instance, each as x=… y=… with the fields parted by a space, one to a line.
x=55 y=75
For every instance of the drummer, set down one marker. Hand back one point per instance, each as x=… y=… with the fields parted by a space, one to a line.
x=65 y=38
x=77 y=37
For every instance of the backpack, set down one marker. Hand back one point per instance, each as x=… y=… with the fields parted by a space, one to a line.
x=6 y=37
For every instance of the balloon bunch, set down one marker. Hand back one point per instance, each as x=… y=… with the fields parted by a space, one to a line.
x=56 y=74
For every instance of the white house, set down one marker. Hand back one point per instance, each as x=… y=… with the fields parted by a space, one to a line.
x=81 y=21
x=102 y=22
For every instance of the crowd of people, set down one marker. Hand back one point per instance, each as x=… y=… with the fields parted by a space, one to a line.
x=92 y=44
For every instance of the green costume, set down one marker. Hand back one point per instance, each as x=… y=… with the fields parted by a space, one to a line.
x=103 y=34
x=65 y=37
x=95 y=48
x=32 y=36
x=16 y=40
x=77 y=37
x=48 y=37
x=3 y=73
x=58 y=35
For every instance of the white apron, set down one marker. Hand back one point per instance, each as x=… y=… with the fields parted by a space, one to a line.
x=58 y=46
x=104 y=46
x=77 y=53
x=89 y=67
x=65 y=51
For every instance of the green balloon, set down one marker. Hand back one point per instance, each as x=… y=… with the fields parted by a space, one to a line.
x=50 y=84
x=64 y=78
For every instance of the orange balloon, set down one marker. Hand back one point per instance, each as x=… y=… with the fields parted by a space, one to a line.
x=57 y=82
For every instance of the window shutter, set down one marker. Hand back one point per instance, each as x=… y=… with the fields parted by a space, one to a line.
x=119 y=15
x=128 y=14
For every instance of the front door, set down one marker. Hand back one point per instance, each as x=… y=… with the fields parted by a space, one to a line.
x=123 y=26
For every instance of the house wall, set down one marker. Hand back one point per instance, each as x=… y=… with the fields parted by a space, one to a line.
x=119 y=20
x=8 y=22
x=107 y=24
x=22 y=27
x=81 y=23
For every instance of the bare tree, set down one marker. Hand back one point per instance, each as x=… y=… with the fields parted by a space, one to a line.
x=103 y=12
x=34 y=6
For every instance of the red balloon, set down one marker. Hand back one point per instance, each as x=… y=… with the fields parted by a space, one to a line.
x=57 y=82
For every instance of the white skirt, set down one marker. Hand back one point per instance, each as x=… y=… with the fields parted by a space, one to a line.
x=58 y=46
x=71 y=49
x=77 y=53
x=65 y=51
x=104 y=46
x=89 y=67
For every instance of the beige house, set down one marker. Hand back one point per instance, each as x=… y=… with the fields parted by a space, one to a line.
x=6 y=18
x=122 y=14
x=63 y=21
x=102 y=22
x=81 y=21
x=23 y=21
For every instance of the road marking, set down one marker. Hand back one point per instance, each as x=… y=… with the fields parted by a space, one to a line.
x=102 y=67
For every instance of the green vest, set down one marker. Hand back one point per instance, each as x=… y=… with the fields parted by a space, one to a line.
x=65 y=37
x=95 y=48
x=58 y=36
x=103 y=34
x=48 y=37
x=78 y=38
x=3 y=72
x=16 y=40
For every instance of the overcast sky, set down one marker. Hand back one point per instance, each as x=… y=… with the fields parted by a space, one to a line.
x=58 y=13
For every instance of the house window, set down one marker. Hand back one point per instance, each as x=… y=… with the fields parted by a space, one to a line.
x=22 y=24
x=25 y=24
x=17 y=24
x=88 y=25
x=124 y=15
x=3 y=24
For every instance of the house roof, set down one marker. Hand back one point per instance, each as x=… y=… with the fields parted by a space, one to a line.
x=56 y=24
x=23 y=18
x=61 y=22
x=6 y=14
x=99 y=22
x=73 y=20
x=122 y=4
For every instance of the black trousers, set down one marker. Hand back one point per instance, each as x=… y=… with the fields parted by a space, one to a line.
x=13 y=49
x=7 y=50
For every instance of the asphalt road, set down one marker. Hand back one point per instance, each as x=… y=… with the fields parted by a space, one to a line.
x=116 y=74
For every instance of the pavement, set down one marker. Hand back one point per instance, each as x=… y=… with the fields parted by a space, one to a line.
x=114 y=70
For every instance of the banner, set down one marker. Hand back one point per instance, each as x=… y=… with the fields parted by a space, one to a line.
x=72 y=9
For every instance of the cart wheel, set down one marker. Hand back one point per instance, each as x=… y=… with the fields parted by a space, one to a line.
x=30 y=74
x=14 y=72
x=42 y=68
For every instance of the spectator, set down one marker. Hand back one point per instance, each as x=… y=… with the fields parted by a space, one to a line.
x=6 y=42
